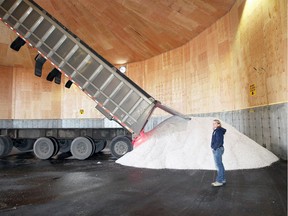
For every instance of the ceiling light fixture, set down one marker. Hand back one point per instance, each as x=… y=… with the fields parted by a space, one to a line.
x=122 y=69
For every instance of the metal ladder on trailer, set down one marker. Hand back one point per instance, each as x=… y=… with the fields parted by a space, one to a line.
x=116 y=96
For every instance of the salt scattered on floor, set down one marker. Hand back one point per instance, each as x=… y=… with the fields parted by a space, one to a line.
x=180 y=144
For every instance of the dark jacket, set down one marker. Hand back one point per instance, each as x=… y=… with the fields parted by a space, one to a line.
x=218 y=138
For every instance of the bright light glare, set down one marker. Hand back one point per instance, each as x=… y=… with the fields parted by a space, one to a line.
x=122 y=69
x=140 y=139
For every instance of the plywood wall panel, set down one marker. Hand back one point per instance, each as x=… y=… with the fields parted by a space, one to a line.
x=6 y=82
x=33 y=97
x=73 y=101
x=214 y=71
x=36 y=98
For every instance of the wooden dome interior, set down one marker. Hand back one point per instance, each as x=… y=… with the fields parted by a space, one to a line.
x=125 y=31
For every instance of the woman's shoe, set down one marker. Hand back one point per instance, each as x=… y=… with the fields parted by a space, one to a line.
x=217 y=184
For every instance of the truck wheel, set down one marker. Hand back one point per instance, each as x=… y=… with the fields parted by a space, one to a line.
x=64 y=146
x=120 y=146
x=2 y=147
x=93 y=145
x=25 y=145
x=56 y=144
x=6 y=145
x=100 y=145
x=9 y=144
x=82 y=148
x=44 y=148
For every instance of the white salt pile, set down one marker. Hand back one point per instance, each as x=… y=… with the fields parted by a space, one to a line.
x=180 y=144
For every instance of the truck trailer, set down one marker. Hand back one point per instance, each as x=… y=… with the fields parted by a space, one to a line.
x=116 y=96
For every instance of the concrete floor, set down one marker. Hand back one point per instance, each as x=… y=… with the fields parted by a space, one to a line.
x=99 y=186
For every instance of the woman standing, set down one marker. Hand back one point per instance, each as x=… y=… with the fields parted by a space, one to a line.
x=218 y=150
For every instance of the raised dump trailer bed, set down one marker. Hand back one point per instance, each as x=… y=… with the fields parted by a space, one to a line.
x=116 y=96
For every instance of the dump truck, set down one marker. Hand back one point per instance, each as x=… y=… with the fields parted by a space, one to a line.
x=116 y=96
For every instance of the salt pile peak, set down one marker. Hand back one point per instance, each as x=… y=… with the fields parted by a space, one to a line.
x=180 y=144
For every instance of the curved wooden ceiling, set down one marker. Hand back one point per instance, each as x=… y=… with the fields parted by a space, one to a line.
x=125 y=31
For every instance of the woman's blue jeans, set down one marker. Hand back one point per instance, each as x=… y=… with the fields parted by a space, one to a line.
x=219 y=165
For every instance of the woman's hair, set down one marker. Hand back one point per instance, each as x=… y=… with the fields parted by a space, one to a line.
x=218 y=122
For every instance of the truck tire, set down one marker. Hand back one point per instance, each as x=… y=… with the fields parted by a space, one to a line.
x=2 y=147
x=44 y=148
x=6 y=145
x=120 y=145
x=26 y=145
x=82 y=148
x=9 y=144
x=56 y=144
x=100 y=145
x=64 y=146
x=93 y=145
